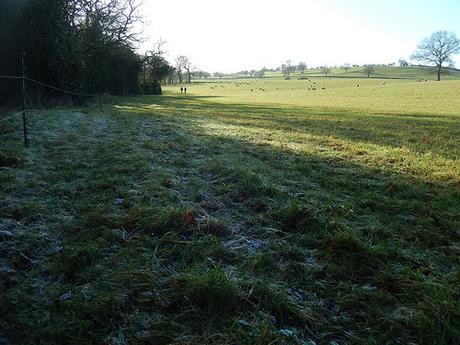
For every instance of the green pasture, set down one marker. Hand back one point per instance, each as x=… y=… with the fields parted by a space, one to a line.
x=400 y=97
x=387 y=72
x=280 y=215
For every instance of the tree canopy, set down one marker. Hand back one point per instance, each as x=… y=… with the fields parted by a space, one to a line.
x=81 y=45
x=438 y=49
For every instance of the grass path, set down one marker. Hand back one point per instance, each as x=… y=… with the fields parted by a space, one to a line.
x=197 y=221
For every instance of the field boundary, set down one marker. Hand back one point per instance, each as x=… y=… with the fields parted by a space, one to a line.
x=23 y=98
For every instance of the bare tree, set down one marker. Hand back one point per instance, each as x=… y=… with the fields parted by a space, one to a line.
x=287 y=69
x=368 y=70
x=184 y=63
x=155 y=69
x=302 y=66
x=178 y=68
x=188 y=67
x=158 y=47
x=437 y=49
x=346 y=67
x=326 y=70
x=115 y=18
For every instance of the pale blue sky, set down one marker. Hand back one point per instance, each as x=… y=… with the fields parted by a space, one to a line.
x=408 y=17
x=231 y=35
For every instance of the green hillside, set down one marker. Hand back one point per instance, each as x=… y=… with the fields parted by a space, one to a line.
x=412 y=72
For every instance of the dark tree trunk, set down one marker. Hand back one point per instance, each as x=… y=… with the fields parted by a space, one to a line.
x=439 y=72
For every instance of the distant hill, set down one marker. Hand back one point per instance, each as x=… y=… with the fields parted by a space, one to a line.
x=384 y=72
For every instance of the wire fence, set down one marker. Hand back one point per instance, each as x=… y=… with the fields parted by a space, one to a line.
x=9 y=77
x=23 y=88
x=9 y=117
x=58 y=89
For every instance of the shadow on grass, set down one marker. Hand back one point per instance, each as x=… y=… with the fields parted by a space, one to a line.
x=376 y=233
x=422 y=133
x=365 y=223
x=416 y=203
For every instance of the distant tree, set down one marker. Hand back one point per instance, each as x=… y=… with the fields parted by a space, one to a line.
x=326 y=70
x=261 y=73
x=437 y=49
x=287 y=69
x=368 y=70
x=291 y=68
x=302 y=66
x=346 y=67
x=178 y=68
x=284 y=70
x=403 y=63
x=206 y=75
x=218 y=75
x=183 y=63
x=201 y=74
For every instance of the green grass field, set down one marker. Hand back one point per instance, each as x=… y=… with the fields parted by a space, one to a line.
x=280 y=215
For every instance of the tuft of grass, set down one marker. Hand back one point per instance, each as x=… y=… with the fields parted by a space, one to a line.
x=351 y=254
x=76 y=258
x=295 y=218
x=212 y=291
x=9 y=160
x=159 y=221
x=215 y=227
x=274 y=300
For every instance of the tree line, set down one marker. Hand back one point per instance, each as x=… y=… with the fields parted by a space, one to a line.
x=436 y=50
x=82 y=45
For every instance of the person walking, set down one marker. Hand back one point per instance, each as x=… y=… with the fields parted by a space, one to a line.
x=181 y=89
x=185 y=89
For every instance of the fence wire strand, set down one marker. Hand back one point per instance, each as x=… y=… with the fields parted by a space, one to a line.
x=46 y=85
x=10 y=117
x=9 y=77
x=24 y=79
x=58 y=89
